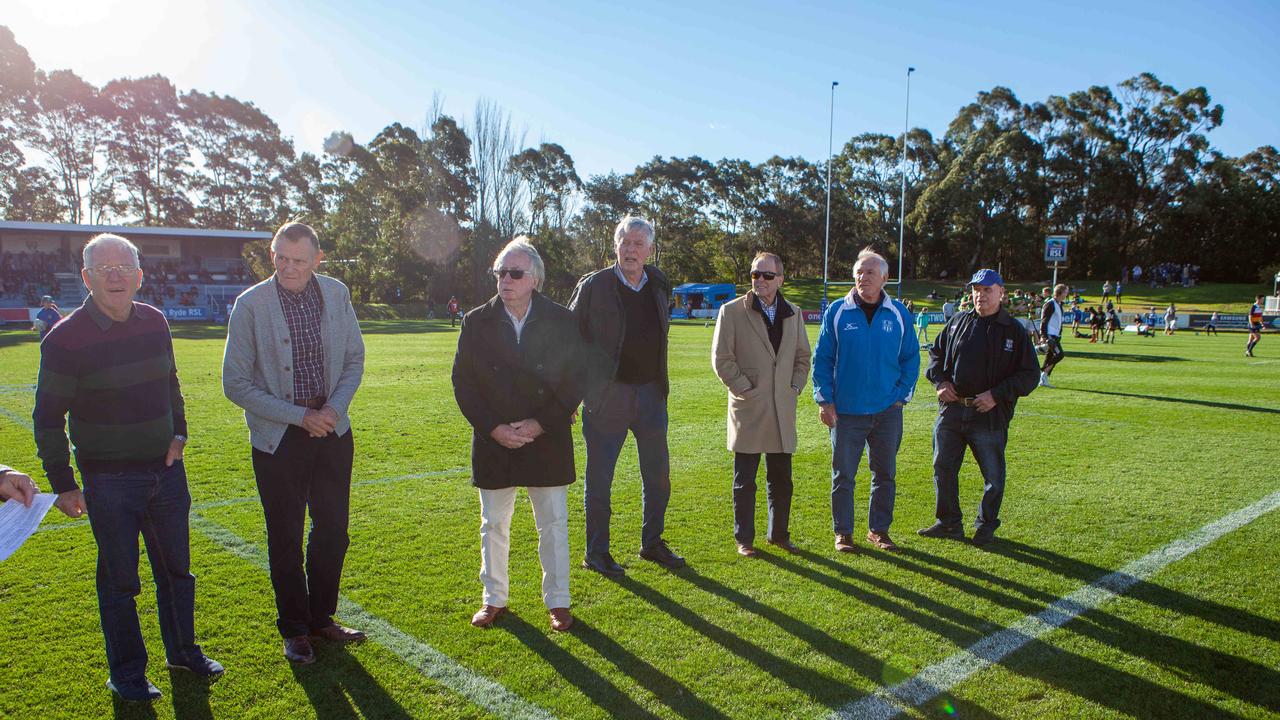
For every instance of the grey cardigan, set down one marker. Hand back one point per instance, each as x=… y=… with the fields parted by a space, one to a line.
x=256 y=364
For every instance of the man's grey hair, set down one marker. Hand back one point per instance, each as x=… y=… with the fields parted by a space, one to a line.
x=777 y=261
x=108 y=239
x=293 y=232
x=629 y=223
x=521 y=243
x=869 y=253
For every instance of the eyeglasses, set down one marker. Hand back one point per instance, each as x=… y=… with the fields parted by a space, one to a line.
x=757 y=274
x=515 y=273
x=105 y=270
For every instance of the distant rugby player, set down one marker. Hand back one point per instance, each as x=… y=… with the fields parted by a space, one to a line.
x=1255 y=326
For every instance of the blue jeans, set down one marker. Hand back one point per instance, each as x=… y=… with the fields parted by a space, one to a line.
x=956 y=428
x=641 y=410
x=881 y=434
x=155 y=503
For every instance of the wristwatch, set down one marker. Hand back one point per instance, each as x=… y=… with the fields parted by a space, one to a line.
x=183 y=438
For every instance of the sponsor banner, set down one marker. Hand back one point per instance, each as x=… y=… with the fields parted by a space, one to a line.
x=811 y=316
x=1233 y=321
x=679 y=314
x=182 y=314
x=17 y=315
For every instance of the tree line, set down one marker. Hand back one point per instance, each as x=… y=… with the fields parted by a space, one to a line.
x=418 y=212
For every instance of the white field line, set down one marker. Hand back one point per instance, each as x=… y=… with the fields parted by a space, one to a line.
x=941 y=677
x=209 y=504
x=429 y=661
x=1261 y=362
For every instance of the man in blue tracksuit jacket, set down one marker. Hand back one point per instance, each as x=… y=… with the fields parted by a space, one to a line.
x=864 y=370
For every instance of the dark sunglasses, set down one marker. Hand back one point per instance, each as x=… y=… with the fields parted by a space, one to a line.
x=516 y=274
x=757 y=274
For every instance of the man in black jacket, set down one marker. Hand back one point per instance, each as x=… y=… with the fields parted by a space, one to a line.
x=622 y=315
x=980 y=363
x=1052 y=315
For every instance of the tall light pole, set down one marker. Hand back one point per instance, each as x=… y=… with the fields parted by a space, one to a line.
x=826 y=245
x=902 y=210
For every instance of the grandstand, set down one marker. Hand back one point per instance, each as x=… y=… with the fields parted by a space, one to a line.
x=189 y=273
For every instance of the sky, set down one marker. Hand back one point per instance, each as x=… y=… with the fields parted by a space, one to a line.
x=617 y=84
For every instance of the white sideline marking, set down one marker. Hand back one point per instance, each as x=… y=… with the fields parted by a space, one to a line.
x=942 y=676
x=426 y=659
x=17 y=419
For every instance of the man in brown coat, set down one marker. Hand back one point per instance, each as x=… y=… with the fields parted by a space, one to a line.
x=761 y=354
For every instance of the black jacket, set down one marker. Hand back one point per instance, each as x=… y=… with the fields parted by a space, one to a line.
x=1012 y=369
x=496 y=381
x=597 y=306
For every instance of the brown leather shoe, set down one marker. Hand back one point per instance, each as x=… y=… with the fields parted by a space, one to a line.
x=882 y=541
x=339 y=634
x=485 y=616
x=746 y=550
x=844 y=543
x=785 y=545
x=298 y=650
x=561 y=619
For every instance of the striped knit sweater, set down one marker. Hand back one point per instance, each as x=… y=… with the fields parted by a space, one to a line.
x=118 y=384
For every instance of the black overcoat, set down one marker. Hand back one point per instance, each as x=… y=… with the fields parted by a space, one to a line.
x=497 y=380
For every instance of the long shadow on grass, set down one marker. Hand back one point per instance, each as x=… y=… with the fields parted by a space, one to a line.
x=663 y=687
x=339 y=688
x=1125 y=357
x=1151 y=593
x=1242 y=678
x=596 y=687
x=122 y=710
x=821 y=688
x=1187 y=401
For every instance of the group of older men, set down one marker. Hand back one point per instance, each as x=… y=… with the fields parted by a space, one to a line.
x=294 y=359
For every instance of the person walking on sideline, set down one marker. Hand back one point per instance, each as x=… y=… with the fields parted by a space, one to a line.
x=1051 y=317
x=1255 y=326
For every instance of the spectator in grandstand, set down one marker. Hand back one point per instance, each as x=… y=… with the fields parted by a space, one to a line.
x=1051 y=316
x=294 y=359
x=864 y=372
x=16 y=486
x=1211 y=327
x=107 y=371
x=517 y=378
x=760 y=351
x=1170 y=319
x=1255 y=325
x=980 y=365
x=621 y=314
x=48 y=316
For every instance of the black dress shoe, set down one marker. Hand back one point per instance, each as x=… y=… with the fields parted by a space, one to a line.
x=662 y=555
x=202 y=666
x=941 y=530
x=604 y=564
x=135 y=690
x=299 y=651
x=982 y=537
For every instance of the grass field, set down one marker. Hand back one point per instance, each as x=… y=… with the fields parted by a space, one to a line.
x=1143 y=443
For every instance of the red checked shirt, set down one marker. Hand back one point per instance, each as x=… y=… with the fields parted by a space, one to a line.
x=302 y=313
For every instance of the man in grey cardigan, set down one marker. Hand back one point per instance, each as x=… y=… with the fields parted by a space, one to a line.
x=293 y=361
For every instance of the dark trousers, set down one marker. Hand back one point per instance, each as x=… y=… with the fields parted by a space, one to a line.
x=959 y=427
x=1053 y=353
x=306 y=475
x=155 y=504
x=777 y=491
x=642 y=411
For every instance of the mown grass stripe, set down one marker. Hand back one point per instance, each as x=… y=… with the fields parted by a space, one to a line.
x=945 y=675
x=426 y=659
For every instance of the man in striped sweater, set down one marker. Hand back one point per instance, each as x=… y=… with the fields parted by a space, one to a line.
x=107 y=371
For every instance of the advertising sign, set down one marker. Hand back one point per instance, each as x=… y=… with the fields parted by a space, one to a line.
x=187 y=313
x=1055 y=249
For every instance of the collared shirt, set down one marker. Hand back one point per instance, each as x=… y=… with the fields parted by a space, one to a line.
x=770 y=311
x=518 y=323
x=302 y=313
x=644 y=278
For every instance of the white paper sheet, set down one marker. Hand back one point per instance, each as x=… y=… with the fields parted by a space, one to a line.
x=17 y=523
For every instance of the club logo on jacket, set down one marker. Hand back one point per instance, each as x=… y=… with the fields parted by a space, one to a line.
x=1008 y=345
x=888 y=326
x=848 y=326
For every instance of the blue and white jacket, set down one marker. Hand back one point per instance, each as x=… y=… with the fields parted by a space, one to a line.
x=865 y=367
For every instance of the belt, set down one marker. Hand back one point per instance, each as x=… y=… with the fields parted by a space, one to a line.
x=313 y=403
x=967 y=402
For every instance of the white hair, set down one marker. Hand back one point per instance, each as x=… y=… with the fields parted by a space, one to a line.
x=108 y=239
x=869 y=253
x=629 y=223
x=521 y=243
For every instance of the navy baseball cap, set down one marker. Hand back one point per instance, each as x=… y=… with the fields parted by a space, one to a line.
x=986 y=276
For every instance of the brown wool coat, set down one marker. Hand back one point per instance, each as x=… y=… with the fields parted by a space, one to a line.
x=762 y=403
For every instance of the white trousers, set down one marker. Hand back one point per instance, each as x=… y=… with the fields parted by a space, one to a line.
x=551 y=517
